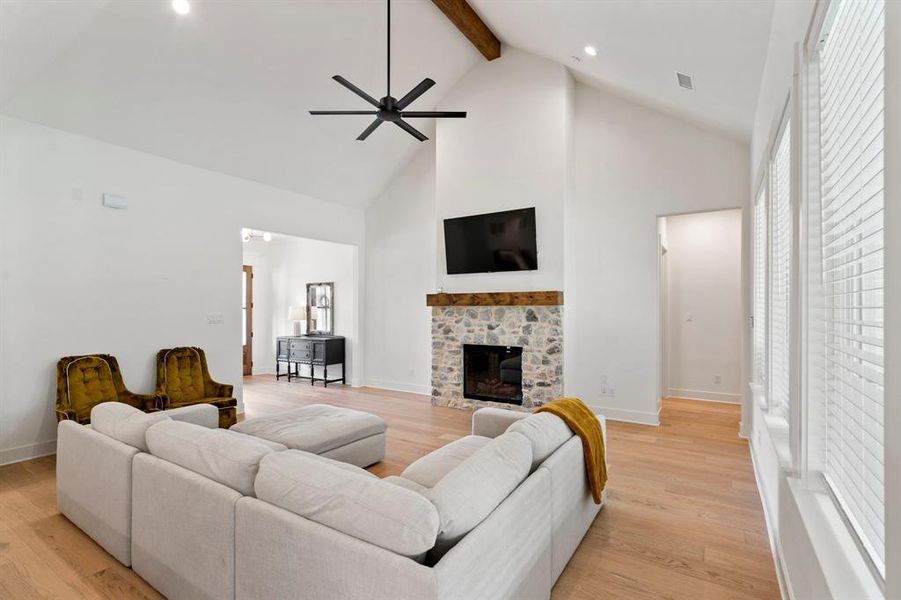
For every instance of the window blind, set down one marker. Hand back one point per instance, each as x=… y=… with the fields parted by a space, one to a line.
x=851 y=196
x=780 y=265
x=760 y=227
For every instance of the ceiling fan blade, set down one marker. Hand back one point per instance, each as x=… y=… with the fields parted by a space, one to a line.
x=434 y=114
x=411 y=130
x=357 y=91
x=415 y=93
x=372 y=127
x=344 y=112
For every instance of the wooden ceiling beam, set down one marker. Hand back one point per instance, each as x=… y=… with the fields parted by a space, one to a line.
x=472 y=26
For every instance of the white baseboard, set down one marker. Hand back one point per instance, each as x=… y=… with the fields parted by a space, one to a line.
x=27 y=452
x=623 y=414
x=397 y=386
x=705 y=395
x=263 y=371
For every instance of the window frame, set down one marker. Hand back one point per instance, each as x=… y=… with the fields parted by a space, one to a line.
x=758 y=382
x=810 y=467
x=786 y=127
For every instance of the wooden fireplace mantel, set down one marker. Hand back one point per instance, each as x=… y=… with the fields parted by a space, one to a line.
x=547 y=298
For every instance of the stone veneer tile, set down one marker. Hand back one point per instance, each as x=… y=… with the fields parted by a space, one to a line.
x=538 y=329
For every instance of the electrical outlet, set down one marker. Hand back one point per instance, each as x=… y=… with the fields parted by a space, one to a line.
x=717 y=379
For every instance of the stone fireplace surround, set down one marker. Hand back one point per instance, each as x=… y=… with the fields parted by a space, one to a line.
x=533 y=320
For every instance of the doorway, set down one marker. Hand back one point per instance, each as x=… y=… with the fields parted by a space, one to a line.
x=700 y=316
x=247 y=318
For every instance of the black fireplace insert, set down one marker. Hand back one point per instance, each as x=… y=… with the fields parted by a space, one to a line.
x=492 y=373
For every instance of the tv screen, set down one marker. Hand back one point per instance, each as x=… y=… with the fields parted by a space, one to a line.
x=502 y=241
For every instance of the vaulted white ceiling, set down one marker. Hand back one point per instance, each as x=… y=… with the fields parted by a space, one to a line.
x=642 y=43
x=228 y=86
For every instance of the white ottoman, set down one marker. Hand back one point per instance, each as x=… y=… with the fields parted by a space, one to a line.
x=351 y=436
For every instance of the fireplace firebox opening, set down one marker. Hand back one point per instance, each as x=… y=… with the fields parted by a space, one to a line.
x=492 y=373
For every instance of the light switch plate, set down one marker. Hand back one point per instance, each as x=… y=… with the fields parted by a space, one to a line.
x=215 y=319
x=114 y=201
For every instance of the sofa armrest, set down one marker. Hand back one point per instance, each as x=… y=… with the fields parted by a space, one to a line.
x=221 y=390
x=491 y=422
x=205 y=415
x=145 y=402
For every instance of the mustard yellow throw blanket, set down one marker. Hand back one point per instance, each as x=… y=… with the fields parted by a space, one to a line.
x=584 y=424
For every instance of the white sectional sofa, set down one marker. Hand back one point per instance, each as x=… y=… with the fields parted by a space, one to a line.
x=511 y=505
x=497 y=514
x=94 y=466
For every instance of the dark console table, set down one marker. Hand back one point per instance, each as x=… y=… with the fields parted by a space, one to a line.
x=313 y=350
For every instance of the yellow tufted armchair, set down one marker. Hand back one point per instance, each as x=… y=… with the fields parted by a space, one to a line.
x=183 y=378
x=82 y=382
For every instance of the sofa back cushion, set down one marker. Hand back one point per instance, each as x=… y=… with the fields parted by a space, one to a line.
x=124 y=423
x=350 y=500
x=546 y=432
x=88 y=381
x=183 y=374
x=224 y=456
x=471 y=491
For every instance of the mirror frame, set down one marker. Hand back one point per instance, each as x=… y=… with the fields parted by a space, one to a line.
x=331 y=308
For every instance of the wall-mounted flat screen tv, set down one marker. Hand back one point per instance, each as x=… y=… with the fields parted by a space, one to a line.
x=501 y=241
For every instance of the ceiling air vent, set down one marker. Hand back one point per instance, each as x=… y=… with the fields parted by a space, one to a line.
x=685 y=81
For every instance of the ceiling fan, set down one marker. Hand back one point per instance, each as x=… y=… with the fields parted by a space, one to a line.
x=389 y=108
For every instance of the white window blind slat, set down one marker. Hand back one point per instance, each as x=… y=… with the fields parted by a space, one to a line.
x=851 y=115
x=760 y=292
x=779 y=280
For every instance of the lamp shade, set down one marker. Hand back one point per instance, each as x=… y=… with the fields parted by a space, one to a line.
x=297 y=313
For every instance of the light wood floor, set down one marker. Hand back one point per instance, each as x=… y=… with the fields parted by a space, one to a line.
x=683 y=517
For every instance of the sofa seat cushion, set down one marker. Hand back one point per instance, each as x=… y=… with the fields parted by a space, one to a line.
x=546 y=432
x=470 y=492
x=124 y=423
x=316 y=428
x=350 y=500
x=217 y=402
x=206 y=415
x=428 y=470
x=227 y=457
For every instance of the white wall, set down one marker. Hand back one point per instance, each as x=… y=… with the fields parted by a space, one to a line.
x=600 y=169
x=400 y=271
x=704 y=304
x=631 y=165
x=282 y=270
x=510 y=152
x=76 y=277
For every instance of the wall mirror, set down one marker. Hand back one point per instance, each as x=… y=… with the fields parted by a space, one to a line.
x=321 y=308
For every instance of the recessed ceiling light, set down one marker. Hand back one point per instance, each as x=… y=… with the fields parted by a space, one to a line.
x=591 y=51
x=182 y=7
